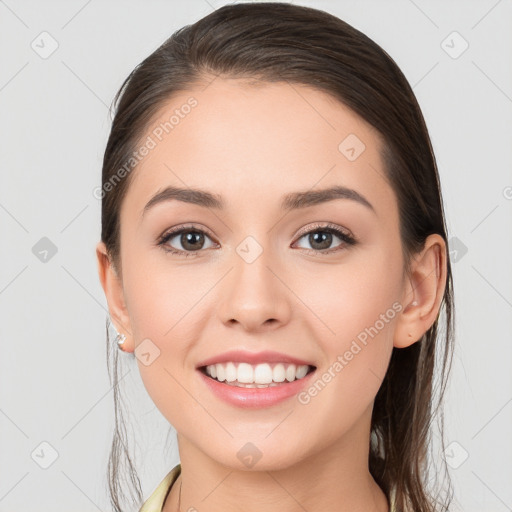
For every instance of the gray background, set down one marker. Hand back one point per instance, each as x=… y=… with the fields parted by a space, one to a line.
x=54 y=124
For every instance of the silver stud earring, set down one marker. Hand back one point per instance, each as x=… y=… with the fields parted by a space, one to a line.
x=120 y=338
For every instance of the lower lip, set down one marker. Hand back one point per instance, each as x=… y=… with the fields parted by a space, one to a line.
x=256 y=397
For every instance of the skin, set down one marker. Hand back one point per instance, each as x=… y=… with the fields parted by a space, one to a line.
x=252 y=144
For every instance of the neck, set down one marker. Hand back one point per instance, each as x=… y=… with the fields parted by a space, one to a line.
x=336 y=478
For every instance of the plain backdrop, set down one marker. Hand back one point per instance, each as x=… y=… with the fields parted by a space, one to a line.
x=61 y=64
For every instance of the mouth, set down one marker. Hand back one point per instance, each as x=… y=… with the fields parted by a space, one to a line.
x=263 y=375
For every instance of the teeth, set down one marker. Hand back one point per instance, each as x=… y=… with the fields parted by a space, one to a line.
x=245 y=374
x=260 y=375
x=230 y=372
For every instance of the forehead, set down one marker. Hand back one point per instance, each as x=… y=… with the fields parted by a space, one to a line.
x=256 y=141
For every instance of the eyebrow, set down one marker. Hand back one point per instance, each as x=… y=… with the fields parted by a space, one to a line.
x=291 y=201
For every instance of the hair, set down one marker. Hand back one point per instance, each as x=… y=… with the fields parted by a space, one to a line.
x=280 y=42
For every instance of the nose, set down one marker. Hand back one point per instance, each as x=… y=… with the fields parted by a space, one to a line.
x=253 y=295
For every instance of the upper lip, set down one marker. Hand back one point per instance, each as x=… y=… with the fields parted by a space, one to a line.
x=242 y=356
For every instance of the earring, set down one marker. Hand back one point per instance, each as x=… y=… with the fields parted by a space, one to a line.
x=120 y=338
x=413 y=303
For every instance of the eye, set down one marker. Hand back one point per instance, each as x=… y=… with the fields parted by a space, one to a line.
x=190 y=238
x=321 y=237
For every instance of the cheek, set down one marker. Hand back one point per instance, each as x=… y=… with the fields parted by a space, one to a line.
x=342 y=300
x=169 y=306
x=159 y=294
x=356 y=361
x=354 y=321
x=165 y=308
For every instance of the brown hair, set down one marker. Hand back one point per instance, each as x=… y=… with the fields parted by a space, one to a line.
x=278 y=42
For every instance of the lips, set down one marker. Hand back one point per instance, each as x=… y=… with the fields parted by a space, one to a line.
x=253 y=358
x=255 y=396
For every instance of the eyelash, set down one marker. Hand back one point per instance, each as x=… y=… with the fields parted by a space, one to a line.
x=322 y=228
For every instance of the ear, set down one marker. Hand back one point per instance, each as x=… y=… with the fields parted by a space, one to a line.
x=112 y=285
x=423 y=292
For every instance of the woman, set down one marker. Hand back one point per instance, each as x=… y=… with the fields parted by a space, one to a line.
x=274 y=254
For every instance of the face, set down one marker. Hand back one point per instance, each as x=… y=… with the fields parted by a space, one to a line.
x=318 y=279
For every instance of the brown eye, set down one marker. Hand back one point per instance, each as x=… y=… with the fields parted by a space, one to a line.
x=192 y=240
x=184 y=241
x=321 y=238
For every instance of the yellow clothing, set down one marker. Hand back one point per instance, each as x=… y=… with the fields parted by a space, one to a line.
x=155 y=502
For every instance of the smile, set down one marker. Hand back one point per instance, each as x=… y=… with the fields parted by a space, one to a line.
x=262 y=375
x=255 y=386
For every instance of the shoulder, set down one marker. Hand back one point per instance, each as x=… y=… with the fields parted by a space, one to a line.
x=156 y=500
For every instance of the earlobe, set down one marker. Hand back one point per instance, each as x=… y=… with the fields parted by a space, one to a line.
x=424 y=292
x=114 y=293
